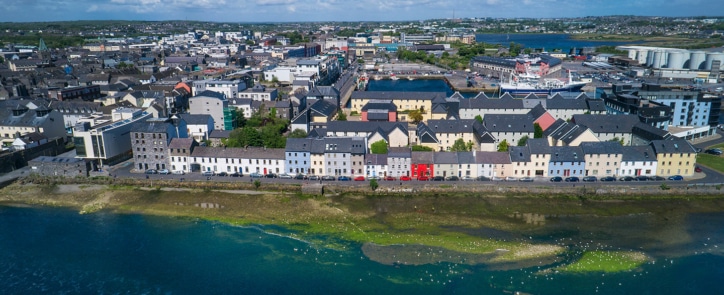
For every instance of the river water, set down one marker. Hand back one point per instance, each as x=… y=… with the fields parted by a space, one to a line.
x=58 y=251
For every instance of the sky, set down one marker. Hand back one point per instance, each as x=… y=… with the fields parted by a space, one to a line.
x=339 y=10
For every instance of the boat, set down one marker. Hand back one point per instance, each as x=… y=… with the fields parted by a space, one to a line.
x=410 y=78
x=393 y=77
x=530 y=83
x=377 y=78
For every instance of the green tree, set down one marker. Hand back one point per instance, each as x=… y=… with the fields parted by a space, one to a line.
x=415 y=116
x=297 y=133
x=275 y=80
x=479 y=118
x=421 y=148
x=373 y=184
x=240 y=119
x=523 y=140
x=537 y=131
x=459 y=146
x=341 y=116
x=503 y=146
x=379 y=147
x=257 y=184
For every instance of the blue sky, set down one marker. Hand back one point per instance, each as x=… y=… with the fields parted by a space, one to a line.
x=339 y=10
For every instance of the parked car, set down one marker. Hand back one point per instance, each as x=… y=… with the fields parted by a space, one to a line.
x=511 y=178
x=697 y=169
x=328 y=178
x=423 y=178
x=608 y=178
x=313 y=177
x=626 y=178
x=716 y=152
x=235 y=174
x=300 y=177
x=676 y=177
x=556 y=179
x=572 y=179
x=151 y=171
x=526 y=179
x=164 y=171
x=359 y=178
x=497 y=178
x=374 y=177
x=656 y=178
x=467 y=178
x=482 y=178
x=642 y=178
x=222 y=173
x=405 y=178
x=207 y=173
x=270 y=175
x=452 y=178
x=392 y=178
x=344 y=178
x=256 y=175
x=285 y=176
x=589 y=179
x=179 y=172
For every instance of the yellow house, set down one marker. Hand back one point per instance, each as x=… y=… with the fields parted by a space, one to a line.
x=675 y=157
x=404 y=101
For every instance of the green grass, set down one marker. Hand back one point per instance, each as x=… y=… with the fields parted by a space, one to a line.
x=712 y=161
x=606 y=261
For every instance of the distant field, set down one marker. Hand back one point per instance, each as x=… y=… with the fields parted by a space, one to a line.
x=661 y=41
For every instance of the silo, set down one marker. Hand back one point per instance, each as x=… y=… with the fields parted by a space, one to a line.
x=659 y=59
x=697 y=57
x=676 y=60
x=712 y=56
x=631 y=53
x=650 y=58
x=641 y=55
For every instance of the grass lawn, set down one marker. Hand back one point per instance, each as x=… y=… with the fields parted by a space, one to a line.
x=712 y=161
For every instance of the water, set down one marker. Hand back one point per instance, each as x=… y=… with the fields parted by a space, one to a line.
x=419 y=85
x=58 y=251
x=548 y=42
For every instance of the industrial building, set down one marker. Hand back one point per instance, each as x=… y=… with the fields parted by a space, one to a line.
x=678 y=63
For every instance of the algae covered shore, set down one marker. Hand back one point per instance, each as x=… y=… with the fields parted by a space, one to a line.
x=501 y=231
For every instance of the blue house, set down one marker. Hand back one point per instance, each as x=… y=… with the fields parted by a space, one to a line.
x=567 y=161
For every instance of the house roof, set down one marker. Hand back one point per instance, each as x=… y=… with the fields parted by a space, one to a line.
x=483 y=102
x=181 y=143
x=192 y=119
x=220 y=133
x=674 y=145
x=519 y=154
x=638 y=153
x=538 y=146
x=608 y=123
x=376 y=159
x=396 y=95
x=399 y=152
x=568 y=154
x=601 y=148
x=508 y=123
x=209 y=93
x=492 y=157
x=422 y=157
x=151 y=126
x=445 y=157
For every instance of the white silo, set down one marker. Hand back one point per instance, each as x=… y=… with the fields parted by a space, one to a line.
x=659 y=59
x=641 y=55
x=649 y=57
x=631 y=53
x=712 y=56
x=675 y=60
x=697 y=58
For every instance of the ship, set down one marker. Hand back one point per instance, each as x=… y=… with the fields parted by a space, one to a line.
x=523 y=84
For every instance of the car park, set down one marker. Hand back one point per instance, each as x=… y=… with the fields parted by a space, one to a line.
x=207 y=173
x=151 y=171
x=405 y=178
x=526 y=179
x=256 y=175
x=452 y=178
x=556 y=179
x=359 y=178
x=164 y=171
x=608 y=178
x=344 y=178
x=676 y=177
x=572 y=179
x=589 y=179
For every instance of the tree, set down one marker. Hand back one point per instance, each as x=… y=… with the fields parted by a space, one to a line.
x=275 y=80
x=479 y=118
x=341 y=116
x=503 y=146
x=250 y=42
x=240 y=120
x=257 y=184
x=415 y=116
x=459 y=146
x=523 y=140
x=373 y=184
x=538 y=131
x=297 y=133
x=379 y=147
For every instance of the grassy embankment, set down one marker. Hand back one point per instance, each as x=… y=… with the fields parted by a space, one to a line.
x=712 y=161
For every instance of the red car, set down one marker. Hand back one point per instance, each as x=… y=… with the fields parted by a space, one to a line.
x=405 y=178
x=697 y=169
x=391 y=178
x=359 y=178
x=423 y=178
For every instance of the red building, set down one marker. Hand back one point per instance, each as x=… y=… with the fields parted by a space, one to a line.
x=422 y=164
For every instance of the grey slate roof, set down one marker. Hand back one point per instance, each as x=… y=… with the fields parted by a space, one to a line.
x=565 y=131
x=299 y=145
x=376 y=159
x=358 y=126
x=380 y=105
x=558 y=102
x=219 y=133
x=538 y=146
x=150 y=127
x=28 y=119
x=570 y=154
x=422 y=157
x=607 y=123
x=399 y=152
x=213 y=94
x=354 y=145
x=445 y=157
x=504 y=102
x=192 y=119
x=181 y=143
x=519 y=154
x=466 y=157
x=537 y=111
x=596 y=105
x=508 y=123
x=492 y=157
x=638 y=153
x=674 y=146
x=649 y=132
x=391 y=95
x=601 y=148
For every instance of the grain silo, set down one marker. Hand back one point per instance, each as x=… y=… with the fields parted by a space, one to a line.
x=675 y=60
x=659 y=59
x=711 y=57
x=641 y=55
